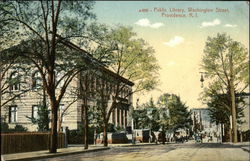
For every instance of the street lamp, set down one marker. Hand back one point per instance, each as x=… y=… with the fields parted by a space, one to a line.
x=134 y=124
x=202 y=79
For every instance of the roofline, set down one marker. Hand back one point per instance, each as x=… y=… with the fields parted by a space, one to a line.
x=199 y=109
x=242 y=94
x=117 y=76
x=101 y=65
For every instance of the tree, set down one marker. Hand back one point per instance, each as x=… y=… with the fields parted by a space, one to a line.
x=225 y=61
x=47 y=28
x=85 y=94
x=219 y=105
x=130 y=58
x=164 y=120
x=147 y=116
x=178 y=116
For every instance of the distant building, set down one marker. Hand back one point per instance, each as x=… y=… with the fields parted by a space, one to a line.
x=246 y=125
x=244 y=129
x=202 y=124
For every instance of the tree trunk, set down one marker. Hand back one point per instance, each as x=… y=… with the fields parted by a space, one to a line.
x=53 y=140
x=222 y=132
x=230 y=135
x=234 y=119
x=1 y=94
x=232 y=95
x=45 y=107
x=86 y=127
x=59 y=123
x=105 y=135
x=163 y=136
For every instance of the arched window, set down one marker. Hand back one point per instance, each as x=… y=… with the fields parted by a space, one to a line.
x=14 y=82
x=36 y=80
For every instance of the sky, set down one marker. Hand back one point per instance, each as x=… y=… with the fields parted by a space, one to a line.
x=178 y=41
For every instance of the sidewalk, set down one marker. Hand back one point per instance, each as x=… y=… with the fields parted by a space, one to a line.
x=130 y=144
x=243 y=145
x=72 y=149
x=45 y=154
x=246 y=148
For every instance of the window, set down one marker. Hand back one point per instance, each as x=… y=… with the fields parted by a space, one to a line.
x=14 y=82
x=122 y=117
x=61 y=110
x=36 y=80
x=118 y=117
x=113 y=116
x=35 y=110
x=60 y=77
x=13 y=114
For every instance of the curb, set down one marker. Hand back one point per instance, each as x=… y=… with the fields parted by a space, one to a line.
x=57 y=154
x=132 y=145
x=245 y=149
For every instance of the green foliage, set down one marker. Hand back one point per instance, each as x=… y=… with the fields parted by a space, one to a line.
x=128 y=56
x=75 y=137
x=95 y=117
x=147 y=117
x=18 y=128
x=29 y=21
x=96 y=120
x=224 y=61
x=43 y=119
x=115 y=129
x=141 y=119
x=219 y=107
x=178 y=116
x=4 y=127
x=168 y=114
x=215 y=62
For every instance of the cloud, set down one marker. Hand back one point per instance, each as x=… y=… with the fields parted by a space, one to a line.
x=215 y=22
x=230 y=25
x=143 y=22
x=146 y=23
x=171 y=63
x=175 y=41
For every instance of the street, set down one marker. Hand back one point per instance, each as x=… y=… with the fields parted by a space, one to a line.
x=168 y=152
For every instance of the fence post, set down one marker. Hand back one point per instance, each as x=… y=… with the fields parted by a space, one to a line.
x=66 y=132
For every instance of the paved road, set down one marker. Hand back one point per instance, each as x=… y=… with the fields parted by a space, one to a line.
x=169 y=152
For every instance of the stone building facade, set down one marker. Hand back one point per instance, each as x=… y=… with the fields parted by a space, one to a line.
x=19 y=110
